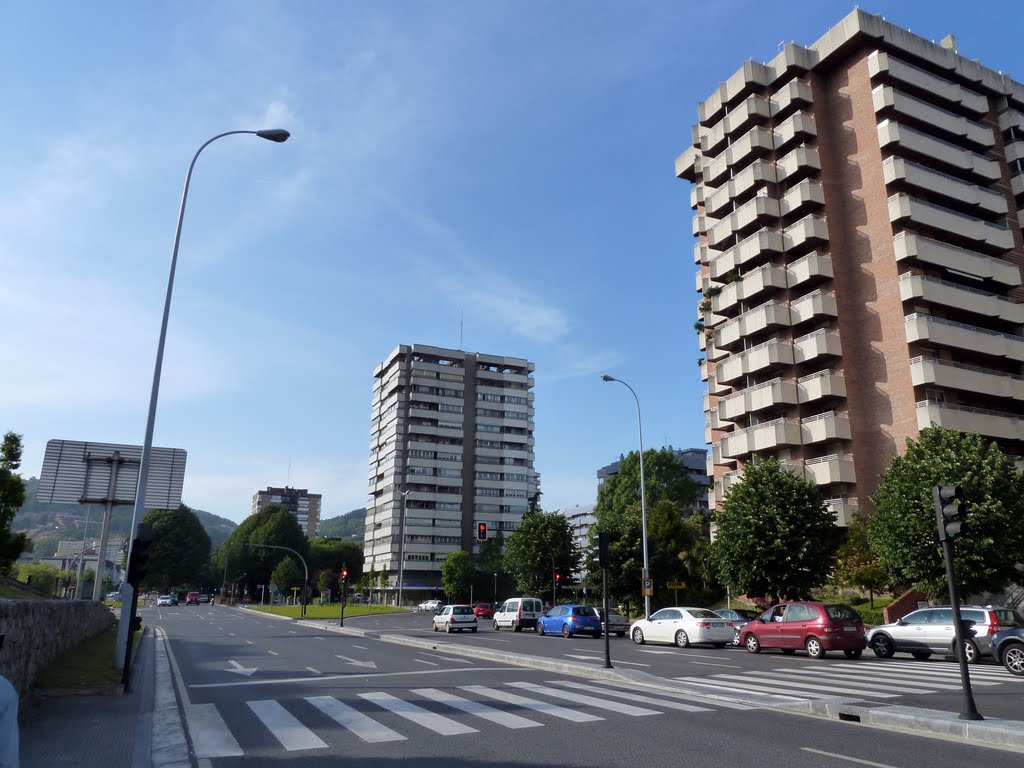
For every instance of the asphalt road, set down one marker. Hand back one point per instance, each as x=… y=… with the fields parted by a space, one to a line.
x=259 y=691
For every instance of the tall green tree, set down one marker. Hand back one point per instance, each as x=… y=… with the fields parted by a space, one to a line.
x=857 y=564
x=903 y=529
x=12 y=496
x=776 y=538
x=334 y=553
x=288 y=575
x=542 y=546
x=180 y=549
x=43 y=575
x=275 y=525
x=457 y=574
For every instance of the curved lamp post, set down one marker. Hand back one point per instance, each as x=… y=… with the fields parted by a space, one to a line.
x=277 y=135
x=643 y=489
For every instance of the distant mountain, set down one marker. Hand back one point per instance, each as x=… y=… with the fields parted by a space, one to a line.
x=47 y=523
x=349 y=526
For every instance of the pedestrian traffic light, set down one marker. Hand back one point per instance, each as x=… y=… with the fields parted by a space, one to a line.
x=950 y=511
x=481 y=531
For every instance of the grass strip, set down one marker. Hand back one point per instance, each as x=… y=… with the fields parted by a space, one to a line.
x=327 y=611
x=90 y=665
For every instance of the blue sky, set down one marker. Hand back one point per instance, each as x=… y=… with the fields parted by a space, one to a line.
x=509 y=164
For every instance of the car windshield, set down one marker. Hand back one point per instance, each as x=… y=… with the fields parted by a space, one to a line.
x=842 y=612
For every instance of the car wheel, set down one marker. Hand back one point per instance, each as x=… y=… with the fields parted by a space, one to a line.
x=814 y=648
x=682 y=640
x=496 y=627
x=448 y=628
x=971 y=651
x=736 y=637
x=855 y=654
x=1013 y=659
x=638 y=636
x=566 y=632
x=921 y=655
x=435 y=627
x=883 y=646
x=538 y=628
x=516 y=627
x=752 y=643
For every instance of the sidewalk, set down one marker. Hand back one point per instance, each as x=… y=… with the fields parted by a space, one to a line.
x=89 y=729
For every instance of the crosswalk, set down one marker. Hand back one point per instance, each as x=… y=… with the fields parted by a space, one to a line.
x=308 y=723
x=878 y=681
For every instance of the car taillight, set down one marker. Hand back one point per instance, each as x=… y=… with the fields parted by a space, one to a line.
x=519 y=613
x=828 y=628
x=704 y=624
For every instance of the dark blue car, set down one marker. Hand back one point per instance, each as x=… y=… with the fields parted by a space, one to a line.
x=1008 y=647
x=569 y=620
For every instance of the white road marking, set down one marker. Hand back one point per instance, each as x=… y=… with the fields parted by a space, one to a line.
x=346 y=676
x=211 y=736
x=539 y=706
x=633 y=697
x=361 y=647
x=273 y=653
x=292 y=734
x=601 y=658
x=506 y=719
x=429 y=720
x=579 y=698
x=712 y=664
x=711 y=682
x=314 y=671
x=845 y=757
x=807 y=686
x=709 y=699
x=424 y=661
x=366 y=728
x=250 y=642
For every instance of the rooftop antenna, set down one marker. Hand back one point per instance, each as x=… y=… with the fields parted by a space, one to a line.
x=460 y=329
x=288 y=483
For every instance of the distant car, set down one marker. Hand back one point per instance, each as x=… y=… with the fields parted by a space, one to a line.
x=616 y=624
x=684 y=627
x=814 y=627
x=483 y=610
x=739 y=618
x=453 y=618
x=930 y=630
x=114 y=596
x=569 y=620
x=192 y=598
x=429 y=605
x=166 y=600
x=204 y=599
x=1008 y=648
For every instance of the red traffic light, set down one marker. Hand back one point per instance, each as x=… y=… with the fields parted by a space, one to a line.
x=558 y=577
x=481 y=531
x=344 y=573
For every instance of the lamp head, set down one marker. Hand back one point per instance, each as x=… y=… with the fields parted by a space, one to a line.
x=279 y=135
x=606 y=377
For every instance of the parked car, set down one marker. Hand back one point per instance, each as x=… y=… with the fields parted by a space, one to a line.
x=203 y=599
x=1008 y=648
x=483 y=611
x=192 y=598
x=455 y=617
x=114 y=596
x=569 y=620
x=682 y=626
x=930 y=630
x=429 y=605
x=518 y=612
x=616 y=622
x=166 y=600
x=739 y=618
x=814 y=627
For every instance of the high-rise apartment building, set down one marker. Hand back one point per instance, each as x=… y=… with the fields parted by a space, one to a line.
x=859 y=222
x=453 y=431
x=299 y=501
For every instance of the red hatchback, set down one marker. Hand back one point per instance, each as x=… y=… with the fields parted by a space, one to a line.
x=814 y=627
x=483 y=611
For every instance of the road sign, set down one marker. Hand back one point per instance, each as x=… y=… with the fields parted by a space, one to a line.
x=676 y=585
x=273 y=588
x=648 y=587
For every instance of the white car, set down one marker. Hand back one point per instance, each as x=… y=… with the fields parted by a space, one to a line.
x=455 y=618
x=166 y=600
x=683 y=626
x=429 y=605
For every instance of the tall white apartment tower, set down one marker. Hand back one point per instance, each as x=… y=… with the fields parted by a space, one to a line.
x=454 y=431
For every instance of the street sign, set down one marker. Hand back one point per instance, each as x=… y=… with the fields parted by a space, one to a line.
x=273 y=588
x=648 y=587
x=676 y=585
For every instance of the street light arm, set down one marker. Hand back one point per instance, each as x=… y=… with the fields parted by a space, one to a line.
x=305 y=583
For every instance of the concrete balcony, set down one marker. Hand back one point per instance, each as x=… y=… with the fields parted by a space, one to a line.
x=765 y=278
x=907 y=140
x=935 y=183
x=799 y=126
x=906 y=209
x=957 y=126
x=700 y=223
x=715 y=387
x=714 y=353
x=763 y=357
x=818 y=344
x=1014 y=151
x=755 y=175
x=759 y=246
x=802 y=161
x=750 y=76
x=752 y=214
x=769 y=314
x=688 y=164
x=825 y=426
x=950 y=334
x=802 y=198
x=885 y=65
x=930 y=371
x=814 y=265
x=752 y=109
x=761 y=437
x=771 y=394
x=820 y=385
x=962 y=297
x=795 y=93
x=704 y=255
x=703 y=370
x=993 y=424
x=1011 y=118
x=827 y=470
x=757 y=142
x=725 y=482
x=909 y=245
x=813 y=306
x=811 y=231
x=844 y=509
x=697 y=195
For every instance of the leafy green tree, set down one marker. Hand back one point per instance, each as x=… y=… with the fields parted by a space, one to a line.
x=776 y=538
x=903 y=529
x=44 y=576
x=665 y=479
x=857 y=564
x=489 y=563
x=332 y=554
x=287 y=574
x=180 y=549
x=327 y=580
x=541 y=546
x=274 y=525
x=12 y=496
x=457 y=574
x=45 y=546
x=697 y=570
x=383 y=577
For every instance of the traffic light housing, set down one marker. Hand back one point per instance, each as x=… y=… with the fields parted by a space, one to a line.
x=558 y=577
x=481 y=531
x=138 y=561
x=950 y=511
x=344 y=573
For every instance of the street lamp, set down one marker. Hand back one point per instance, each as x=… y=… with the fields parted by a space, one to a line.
x=401 y=546
x=277 y=135
x=643 y=491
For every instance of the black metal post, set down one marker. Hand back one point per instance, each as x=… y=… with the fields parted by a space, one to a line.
x=970 y=711
x=344 y=596
x=607 y=621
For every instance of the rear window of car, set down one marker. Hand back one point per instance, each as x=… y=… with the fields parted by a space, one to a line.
x=703 y=613
x=531 y=605
x=462 y=610
x=841 y=613
x=1007 y=618
x=582 y=611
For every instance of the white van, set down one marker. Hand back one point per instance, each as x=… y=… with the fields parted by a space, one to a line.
x=518 y=612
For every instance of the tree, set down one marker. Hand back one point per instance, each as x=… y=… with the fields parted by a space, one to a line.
x=857 y=564
x=288 y=574
x=275 y=525
x=180 y=548
x=903 y=529
x=665 y=478
x=776 y=538
x=332 y=554
x=12 y=496
x=326 y=580
x=457 y=574
x=541 y=547
x=43 y=575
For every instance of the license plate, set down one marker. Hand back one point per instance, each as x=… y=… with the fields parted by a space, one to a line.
x=717 y=624
x=849 y=629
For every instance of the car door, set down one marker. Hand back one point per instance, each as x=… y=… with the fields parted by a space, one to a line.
x=663 y=625
x=939 y=631
x=769 y=627
x=795 y=621
x=909 y=635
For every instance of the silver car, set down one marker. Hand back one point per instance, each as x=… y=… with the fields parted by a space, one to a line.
x=930 y=630
x=616 y=623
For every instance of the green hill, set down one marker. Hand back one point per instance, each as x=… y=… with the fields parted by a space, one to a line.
x=349 y=526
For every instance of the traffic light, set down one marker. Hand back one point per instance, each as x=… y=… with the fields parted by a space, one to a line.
x=481 y=531
x=558 y=577
x=138 y=562
x=344 y=572
x=950 y=511
x=602 y=549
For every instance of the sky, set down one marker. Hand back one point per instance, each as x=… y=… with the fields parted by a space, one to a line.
x=496 y=177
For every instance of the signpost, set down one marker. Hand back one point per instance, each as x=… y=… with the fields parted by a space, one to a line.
x=676 y=585
x=647 y=586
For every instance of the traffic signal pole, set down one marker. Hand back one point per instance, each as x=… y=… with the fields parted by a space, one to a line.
x=137 y=562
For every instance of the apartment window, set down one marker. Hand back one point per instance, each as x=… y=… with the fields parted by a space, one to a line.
x=488 y=492
x=416 y=453
x=420 y=471
x=488 y=444
x=448 y=408
x=515 y=493
x=441 y=456
x=488 y=476
x=488 y=460
x=515 y=476
x=936 y=396
x=488 y=397
x=515 y=399
x=449 y=377
x=449 y=473
x=520 y=416
x=487 y=428
x=490 y=413
x=447 y=506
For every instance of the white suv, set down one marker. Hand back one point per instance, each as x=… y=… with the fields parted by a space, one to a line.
x=518 y=612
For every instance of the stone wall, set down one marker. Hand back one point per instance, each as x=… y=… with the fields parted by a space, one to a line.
x=902 y=605
x=39 y=631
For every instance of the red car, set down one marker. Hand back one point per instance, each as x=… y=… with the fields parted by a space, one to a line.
x=814 y=627
x=483 y=611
